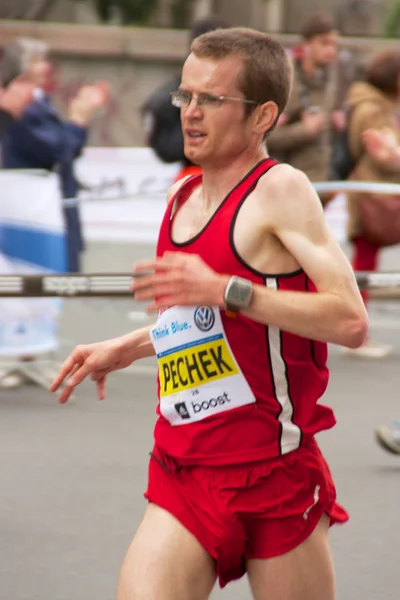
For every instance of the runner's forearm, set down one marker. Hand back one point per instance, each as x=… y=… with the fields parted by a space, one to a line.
x=137 y=343
x=145 y=350
x=318 y=316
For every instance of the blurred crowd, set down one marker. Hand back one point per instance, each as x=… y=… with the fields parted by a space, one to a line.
x=341 y=123
x=34 y=135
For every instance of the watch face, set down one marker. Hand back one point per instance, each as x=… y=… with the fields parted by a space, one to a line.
x=240 y=292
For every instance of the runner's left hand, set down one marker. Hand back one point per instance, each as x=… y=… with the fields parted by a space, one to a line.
x=178 y=279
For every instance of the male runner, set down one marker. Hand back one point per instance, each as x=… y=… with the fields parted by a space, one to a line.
x=249 y=286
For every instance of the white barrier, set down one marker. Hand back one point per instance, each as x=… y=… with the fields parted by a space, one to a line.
x=368 y=187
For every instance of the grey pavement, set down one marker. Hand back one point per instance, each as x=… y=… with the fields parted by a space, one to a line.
x=73 y=476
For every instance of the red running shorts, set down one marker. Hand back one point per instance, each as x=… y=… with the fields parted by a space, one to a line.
x=254 y=510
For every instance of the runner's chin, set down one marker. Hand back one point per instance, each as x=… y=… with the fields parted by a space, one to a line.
x=195 y=148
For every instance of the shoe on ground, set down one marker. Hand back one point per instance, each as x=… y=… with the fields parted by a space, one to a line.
x=369 y=350
x=10 y=380
x=389 y=438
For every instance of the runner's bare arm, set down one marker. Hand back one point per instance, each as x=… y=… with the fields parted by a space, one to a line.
x=137 y=344
x=336 y=313
x=100 y=359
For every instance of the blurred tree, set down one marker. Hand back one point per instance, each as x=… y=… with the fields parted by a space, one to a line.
x=391 y=26
x=129 y=11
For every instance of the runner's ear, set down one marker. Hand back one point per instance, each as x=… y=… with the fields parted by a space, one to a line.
x=265 y=117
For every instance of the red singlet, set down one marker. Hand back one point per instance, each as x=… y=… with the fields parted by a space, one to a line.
x=232 y=390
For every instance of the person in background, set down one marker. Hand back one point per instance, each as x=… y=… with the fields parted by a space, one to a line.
x=13 y=101
x=161 y=120
x=373 y=139
x=305 y=131
x=40 y=139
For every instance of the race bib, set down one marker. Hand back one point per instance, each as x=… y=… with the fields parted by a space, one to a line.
x=198 y=373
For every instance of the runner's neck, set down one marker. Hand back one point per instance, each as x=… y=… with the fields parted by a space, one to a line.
x=218 y=182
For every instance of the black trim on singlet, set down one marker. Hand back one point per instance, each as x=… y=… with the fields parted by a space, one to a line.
x=193 y=239
x=232 y=243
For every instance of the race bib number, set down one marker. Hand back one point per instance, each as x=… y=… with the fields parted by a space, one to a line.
x=198 y=373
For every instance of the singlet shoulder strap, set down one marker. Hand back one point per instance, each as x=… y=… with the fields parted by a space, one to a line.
x=260 y=169
x=183 y=192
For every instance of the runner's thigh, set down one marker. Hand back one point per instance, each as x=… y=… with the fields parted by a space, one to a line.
x=305 y=573
x=165 y=562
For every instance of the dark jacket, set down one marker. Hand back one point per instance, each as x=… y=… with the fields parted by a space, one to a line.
x=5 y=121
x=162 y=122
x=41 y=140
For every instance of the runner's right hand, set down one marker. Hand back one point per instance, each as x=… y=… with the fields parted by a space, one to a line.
x=96 y=360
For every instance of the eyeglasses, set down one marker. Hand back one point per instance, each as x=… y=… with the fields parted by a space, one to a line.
x=182 y=99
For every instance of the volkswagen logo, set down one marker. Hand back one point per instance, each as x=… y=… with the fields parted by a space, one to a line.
x=204 y=318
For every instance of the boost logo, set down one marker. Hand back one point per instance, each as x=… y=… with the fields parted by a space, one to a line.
x=212 y=403
x=204 y=318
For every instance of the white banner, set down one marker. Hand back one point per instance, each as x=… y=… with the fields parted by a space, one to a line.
x=32 y=240
x=122 y=172
x=135 y=183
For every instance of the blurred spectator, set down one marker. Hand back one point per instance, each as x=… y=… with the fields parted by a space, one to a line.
x=162 y=121
x=13 y=101
x=373 y=138
x=314 y=112
x=40 y=139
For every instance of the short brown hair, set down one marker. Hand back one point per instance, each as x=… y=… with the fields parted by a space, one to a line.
x=317 y=25
x=384 y=72
x=267 y=73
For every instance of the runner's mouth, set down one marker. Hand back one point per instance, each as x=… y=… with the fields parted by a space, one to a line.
x=195 y=135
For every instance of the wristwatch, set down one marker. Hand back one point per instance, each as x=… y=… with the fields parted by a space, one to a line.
x=238 y=294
